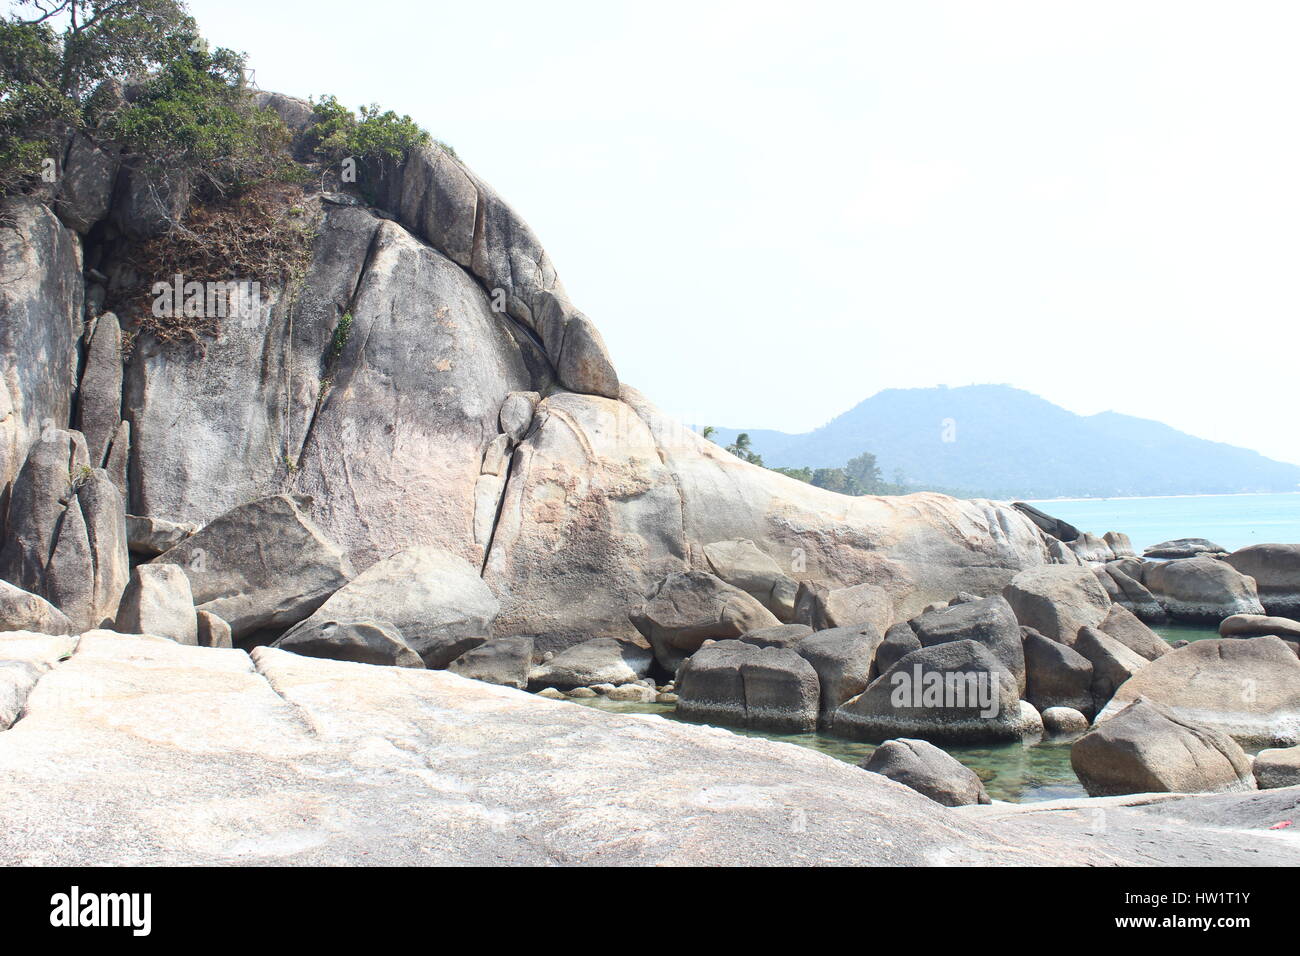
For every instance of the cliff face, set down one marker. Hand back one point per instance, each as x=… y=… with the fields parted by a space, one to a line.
x=472 y=407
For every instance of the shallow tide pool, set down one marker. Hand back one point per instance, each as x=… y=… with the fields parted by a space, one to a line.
x=1016 y=772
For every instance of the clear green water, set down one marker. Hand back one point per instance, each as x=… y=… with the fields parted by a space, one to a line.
x=1017 y=772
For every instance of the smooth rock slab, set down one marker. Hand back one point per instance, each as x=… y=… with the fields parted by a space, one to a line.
x=139 y=751
x=604 y=660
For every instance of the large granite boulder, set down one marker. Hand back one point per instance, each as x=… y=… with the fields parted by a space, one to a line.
x=502 y=660
x=953 y=692
x=151 y=537
x=42 y=289
x=1057 y=528
x=365 y=642
x=1124 y=626
x=1276 y=570
x=742 y=685
x=1113 y=663
x=1145 y=748
x=845 y=661
x=1202 y=590
x=99 y=399
x=688 y=608
x=158 y=601
x=1132 y=594
x=1057 y=600
x=603 y=660
x=925 y=768
x=264 y=564
x=987 y=621
x=434 y=599
x=38 y=499
x=743 y=565
x=23 y=611
x=821 y=607
x=1259 y=625
x=1056 y=675
x=1279 y=767
x=1247 y=689
x=1183 y=548
x=86 y=185
x=782 y=635
x=1092 y=549
x=899 y=641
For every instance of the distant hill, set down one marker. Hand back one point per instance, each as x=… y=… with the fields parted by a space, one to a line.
x=998 y=441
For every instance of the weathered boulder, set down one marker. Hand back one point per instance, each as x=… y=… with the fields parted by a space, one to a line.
x=925 y=768
x=443 y=202
x=37 y=503
x=603 y=660
x=1133 y=595
x=781 y=692
x=1276 y=570
x=1061 y=530
x=1278 y=767
x=845 y=661
x=1183 y=548
x=90 y=566
x=1202 y=590
x=1145 y=748
x=951 y=692
x=1259 y=625
x=1092 y=549
x=987 y=621
x=516 y=415
x=710 y=684
x=900 y=640
x=435 y=601
x=743 y=685
x=1113 y=663
x=688 y=608
x=86 y=185
x=23 y=611
x=1248 y=689
x=262 y=564
x=822 y=607
x=1057 y=600
x=158 y=601
x=783 y=635
x=99 y=399
x=364 y=642
x=742 y=565
x=1056 y=675
x=41 y=299
x=1124 y=626
x=154 y=536
x=1062 y=721
x=1120 y=544
x=502 y=660
x=213 y=631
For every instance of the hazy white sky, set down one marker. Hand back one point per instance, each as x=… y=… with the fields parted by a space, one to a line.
x=773 y=210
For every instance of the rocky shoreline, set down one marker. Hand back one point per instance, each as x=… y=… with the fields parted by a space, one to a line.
x=289 y=559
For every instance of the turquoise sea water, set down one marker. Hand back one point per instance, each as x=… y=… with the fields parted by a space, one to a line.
x=1233 y=521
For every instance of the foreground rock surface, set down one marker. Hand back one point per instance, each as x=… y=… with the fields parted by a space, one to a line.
x=140 y=751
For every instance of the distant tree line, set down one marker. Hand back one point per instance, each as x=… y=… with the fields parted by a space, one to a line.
x=860 y=476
